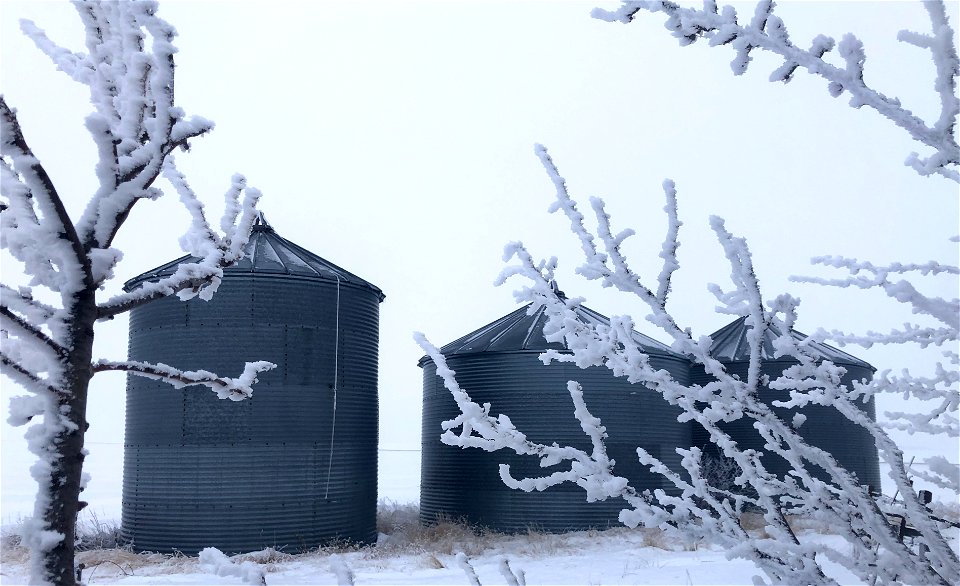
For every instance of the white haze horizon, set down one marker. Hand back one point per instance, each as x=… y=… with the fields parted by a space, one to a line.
x=396 y=140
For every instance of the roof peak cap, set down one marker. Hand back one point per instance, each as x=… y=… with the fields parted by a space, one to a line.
x=556 y=290
x=260 y=224
x=731 y=344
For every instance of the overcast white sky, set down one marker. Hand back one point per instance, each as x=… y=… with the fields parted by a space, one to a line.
x=395 y=139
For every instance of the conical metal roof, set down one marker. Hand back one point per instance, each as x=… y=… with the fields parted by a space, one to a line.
x=268 y=253
x=730 y=345
x=521 y=331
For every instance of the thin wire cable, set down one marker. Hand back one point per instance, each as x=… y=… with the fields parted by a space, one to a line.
x=336 y=358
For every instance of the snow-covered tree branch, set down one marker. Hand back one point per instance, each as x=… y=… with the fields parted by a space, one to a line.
x=816 y=487
x=767 y=32
x=702 y=509
x=865 y=275
x=235 y=389
x=47 y=327
x=197 y=279
x=941 y=389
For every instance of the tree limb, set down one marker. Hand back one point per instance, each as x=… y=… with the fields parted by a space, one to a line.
x=13 y=298
x=150 y=292
x=767 y=32
x=26 y=329
x=17 y=372
x=15 y=145
x=235 y=389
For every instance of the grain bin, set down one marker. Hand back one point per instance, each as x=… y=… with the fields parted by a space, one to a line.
x=851 y=445
x=295 y=466
x=499 y=364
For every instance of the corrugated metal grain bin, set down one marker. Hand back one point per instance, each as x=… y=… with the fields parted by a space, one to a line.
x=851 y=445
x=499 y=364
x=294 y=466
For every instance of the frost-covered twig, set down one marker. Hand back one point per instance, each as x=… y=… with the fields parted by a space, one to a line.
x=342 y=571
x=237 y=220
x=22 y=301
x=670 y=245
x=940 y=472
x=464 y=562
x=701 y=509
x=866 y=275
x=29 y=380
x=135 y=124
x=13 y=324
x=736 y=396
x=128 y=68
x=46 y=242
x=592 y=472
x=235 y=389
x=513 y=577
x=816 y=486
x=902 y=290
x=942 y=389
x=214 y=252
x=767 y=32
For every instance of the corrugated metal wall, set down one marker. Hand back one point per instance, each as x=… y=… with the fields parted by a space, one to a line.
x=292 y=467
x=499 y=364
x=465 y=483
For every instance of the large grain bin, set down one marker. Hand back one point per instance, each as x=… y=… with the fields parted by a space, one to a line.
x=294 y=466
x=499 y=364
x=851 y=445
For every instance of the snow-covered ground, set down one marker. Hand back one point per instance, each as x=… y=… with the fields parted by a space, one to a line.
x=611 y=557
x=407 y=554
x=410 y=554
x=619 y=556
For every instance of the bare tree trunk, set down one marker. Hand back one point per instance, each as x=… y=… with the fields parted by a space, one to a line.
x=66 y=470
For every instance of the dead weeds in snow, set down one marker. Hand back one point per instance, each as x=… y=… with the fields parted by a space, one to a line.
x=401 y=535
x=265 y=556
x=11 y=552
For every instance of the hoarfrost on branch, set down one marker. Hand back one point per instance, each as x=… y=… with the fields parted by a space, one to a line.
x=47 y=326
x=702 y=507
x=767 y=32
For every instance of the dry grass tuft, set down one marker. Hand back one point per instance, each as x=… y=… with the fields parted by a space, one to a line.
x=92 y=533
x=431 y=562
x=752 y=522
x=11 y=551
x=534 y=544
x=265 y=556
x=653 y=537
x=402 y=533
x=115 y=561
x=392 y=516
x=100 y=549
